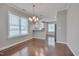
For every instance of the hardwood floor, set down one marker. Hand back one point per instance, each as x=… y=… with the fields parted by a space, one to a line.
x=37 y=47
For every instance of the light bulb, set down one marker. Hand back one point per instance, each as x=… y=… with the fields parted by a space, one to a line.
x=34 y=17
x=37 y=18
x=30 y=18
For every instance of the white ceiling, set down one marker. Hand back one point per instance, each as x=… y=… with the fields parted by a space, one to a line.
x=43 y=10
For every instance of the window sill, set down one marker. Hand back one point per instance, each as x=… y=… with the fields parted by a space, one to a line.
x=19 y=36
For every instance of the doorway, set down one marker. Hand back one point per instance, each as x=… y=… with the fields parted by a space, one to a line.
x=51 y=33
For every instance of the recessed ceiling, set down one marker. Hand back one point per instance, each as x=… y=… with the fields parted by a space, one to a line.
x=43 y=10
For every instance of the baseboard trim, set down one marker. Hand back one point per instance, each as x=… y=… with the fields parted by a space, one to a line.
x=61 y=42
x=71 y=49
x=14 y=44
x=68 y=47
x=38 y=38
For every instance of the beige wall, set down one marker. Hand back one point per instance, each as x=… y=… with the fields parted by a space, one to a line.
x=4 y=40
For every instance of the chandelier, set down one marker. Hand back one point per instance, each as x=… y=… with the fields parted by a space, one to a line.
x=34 y=18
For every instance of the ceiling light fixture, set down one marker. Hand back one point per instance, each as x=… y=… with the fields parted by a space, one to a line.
x=34 y=18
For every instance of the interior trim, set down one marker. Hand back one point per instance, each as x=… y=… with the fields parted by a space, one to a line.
x=71 y=49
x=14 y=44
x=68 y=46
x=61 y=42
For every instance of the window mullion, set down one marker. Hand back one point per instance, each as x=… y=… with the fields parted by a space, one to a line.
x=20 y=25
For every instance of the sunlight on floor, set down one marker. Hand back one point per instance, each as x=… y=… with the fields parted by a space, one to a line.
x=51 y=41
x=23 y=52
x=40 y=52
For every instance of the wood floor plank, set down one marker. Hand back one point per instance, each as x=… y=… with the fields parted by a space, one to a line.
x=37 y=47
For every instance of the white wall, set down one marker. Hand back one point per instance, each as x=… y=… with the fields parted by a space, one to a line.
x=73 y=28
x=4 y=40
x=61 y=26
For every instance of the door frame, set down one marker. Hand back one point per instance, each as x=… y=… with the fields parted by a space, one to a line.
x=47 y=30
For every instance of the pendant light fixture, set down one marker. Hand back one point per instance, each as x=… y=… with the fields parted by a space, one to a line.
x=34 y=18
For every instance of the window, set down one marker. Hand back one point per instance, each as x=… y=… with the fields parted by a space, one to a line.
x=13 y=25
x=51 y=27
x=17 y=25
x=24 y=25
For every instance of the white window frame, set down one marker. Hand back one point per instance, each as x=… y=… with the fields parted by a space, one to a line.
x=51 y=25
x=9 y=35
x=23 y=25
